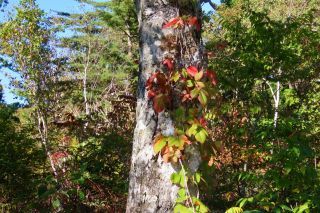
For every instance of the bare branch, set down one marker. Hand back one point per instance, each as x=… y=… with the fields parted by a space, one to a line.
x=271 y=89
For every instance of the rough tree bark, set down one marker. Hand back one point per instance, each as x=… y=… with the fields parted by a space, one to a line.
x=150 y=187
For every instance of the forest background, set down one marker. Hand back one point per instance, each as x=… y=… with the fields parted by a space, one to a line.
x=66 y=145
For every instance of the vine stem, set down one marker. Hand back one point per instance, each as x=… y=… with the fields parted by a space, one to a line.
x=186 y=185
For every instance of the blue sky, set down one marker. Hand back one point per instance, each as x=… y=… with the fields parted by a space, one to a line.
x=49 y=6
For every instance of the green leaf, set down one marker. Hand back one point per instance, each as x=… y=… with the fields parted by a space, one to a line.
x=176 y=77
x=81 y=195
x=302 y=208
x=173 y=141
x=200 y=84
x=175 y=178
x=203 y=97
x=242 y=202
x=158 y=146
x=201 y=135
x=56 y=204
x=197 y=177
x=181 y=199
x=179 y=208
x=235 y=210
x=200 y=207
x=182 y=192
x=192 y=130
x=182 y=195
x=183 y=178
x=190 y=83
x=284 y=207
x=179 y=113
x=287 y=169
x=198 y=76
x=194 y=93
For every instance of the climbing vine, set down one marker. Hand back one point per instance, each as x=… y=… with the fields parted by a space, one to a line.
x=184 y=92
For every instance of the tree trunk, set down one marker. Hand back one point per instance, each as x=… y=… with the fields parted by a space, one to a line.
x=150 y=188
x=276 y=106
x=129 y=40
x=85 y=78
x=276 y=98
x=43 y=131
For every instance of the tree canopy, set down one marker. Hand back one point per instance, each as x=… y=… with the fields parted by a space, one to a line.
x=161 y=106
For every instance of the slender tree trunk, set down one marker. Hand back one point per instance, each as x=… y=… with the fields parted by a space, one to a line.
x=276 y=106
x=150 y=188
x=42 y=117
x=129 y=40
x=43 y=131
x=85 y=77
x=276 y=98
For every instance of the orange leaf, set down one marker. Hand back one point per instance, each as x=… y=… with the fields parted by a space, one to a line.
x=173 y=22
x=186 y=97
x=211 y=54
x=185 y=139
x=166 y=154
x=159 y=144
x=211 y=161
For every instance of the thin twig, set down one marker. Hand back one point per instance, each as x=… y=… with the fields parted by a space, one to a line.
x=186 y=185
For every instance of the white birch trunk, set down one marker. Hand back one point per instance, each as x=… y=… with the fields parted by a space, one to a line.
x=276 y=105
x=43 y=131
x=276 y=99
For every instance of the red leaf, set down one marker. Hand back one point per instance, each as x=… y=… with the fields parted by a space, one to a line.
x=159 y=102
x=203 y=122
x=151 y=94
x=151 y=80
x=161 y=79
x=173 y=22
x=218 y=165
x=59 y=155
x=212 y=77
x=221 y=46
x=169 y=64
x=193 y=21
x=192 y=71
